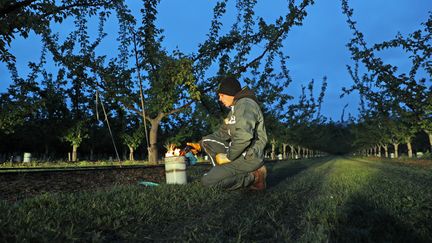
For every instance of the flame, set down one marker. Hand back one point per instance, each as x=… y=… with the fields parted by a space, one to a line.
x=172 y=151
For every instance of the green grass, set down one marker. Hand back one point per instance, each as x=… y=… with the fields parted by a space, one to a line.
x=326 y=199
x=60 y=165
x=84 y=163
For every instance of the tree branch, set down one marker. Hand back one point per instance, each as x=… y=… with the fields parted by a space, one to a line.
x=67 y=7
x=11 y=7
x=273 y=42
x=180 y=108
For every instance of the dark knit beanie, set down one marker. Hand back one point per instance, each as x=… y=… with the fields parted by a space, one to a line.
x=229 y=86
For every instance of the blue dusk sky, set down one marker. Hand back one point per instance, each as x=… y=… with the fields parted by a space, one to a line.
x=316 y=49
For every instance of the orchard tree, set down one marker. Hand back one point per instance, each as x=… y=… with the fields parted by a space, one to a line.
x=21 y=17
x=426 y=123
x=132 y=141
x=303 y=119
x=30 y=109
x=172 y=81
x=382 y=120
x=86 y=73
x=409 y=92
x=22 y=98
x=165 y=83
x=53 y=114
x=14 y=108
x=75 y=136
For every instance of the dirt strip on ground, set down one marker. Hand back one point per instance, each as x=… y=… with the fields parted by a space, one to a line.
x=19 y=185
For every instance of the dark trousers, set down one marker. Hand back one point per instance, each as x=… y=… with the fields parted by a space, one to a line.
x=232 y=175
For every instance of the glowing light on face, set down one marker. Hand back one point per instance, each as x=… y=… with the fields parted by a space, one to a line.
x=227 y=100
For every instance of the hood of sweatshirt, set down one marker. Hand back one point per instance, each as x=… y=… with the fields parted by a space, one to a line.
x=245 y=93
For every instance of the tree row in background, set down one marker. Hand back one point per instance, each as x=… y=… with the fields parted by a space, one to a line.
x=396 y=104
x=130 y=105
x=145 y=88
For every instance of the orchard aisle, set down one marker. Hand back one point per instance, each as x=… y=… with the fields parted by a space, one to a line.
x=323 y=199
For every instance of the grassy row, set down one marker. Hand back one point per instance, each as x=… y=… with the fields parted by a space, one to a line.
x=309 y=200
x=84 y=163
x=34 y=165
x=366 y=201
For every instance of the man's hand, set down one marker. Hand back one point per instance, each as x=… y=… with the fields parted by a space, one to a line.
x=222 y=158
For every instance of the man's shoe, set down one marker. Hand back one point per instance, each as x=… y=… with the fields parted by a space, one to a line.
x=259 y=183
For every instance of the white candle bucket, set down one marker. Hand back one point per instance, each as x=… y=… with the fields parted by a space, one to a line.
x=175 y=170
x=27 y=157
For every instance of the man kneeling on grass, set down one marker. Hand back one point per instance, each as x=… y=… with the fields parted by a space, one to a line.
x=236 y=150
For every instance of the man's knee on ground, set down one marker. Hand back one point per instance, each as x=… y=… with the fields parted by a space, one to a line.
x=207 y=181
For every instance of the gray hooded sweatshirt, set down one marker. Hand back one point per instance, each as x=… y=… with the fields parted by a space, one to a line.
x=244 y=128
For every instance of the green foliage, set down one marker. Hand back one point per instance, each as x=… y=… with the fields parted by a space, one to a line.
x=172 y=81
x=170 y=85
x=21 y=17
x=22 y=99
x=76 y=134
x=11 y=115
x=134 y=139
x=404 y=97
x=427 y=155
x=303 y=124
x=61 y=165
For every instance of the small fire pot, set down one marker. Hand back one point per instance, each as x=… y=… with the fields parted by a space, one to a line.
x=175 y=170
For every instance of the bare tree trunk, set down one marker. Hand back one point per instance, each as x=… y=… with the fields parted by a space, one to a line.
x=131 y=153
x=284 y=146
x=396 y=149
x=273 y=152
x=292 y=152
x=299 y=151
x=125 y=155
x=153 y=151
x=429 y=133
x=46 y=154
x=386 y=150
x=409 y=146
x=91 y=154
x=379 y=150
x=74 y=153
